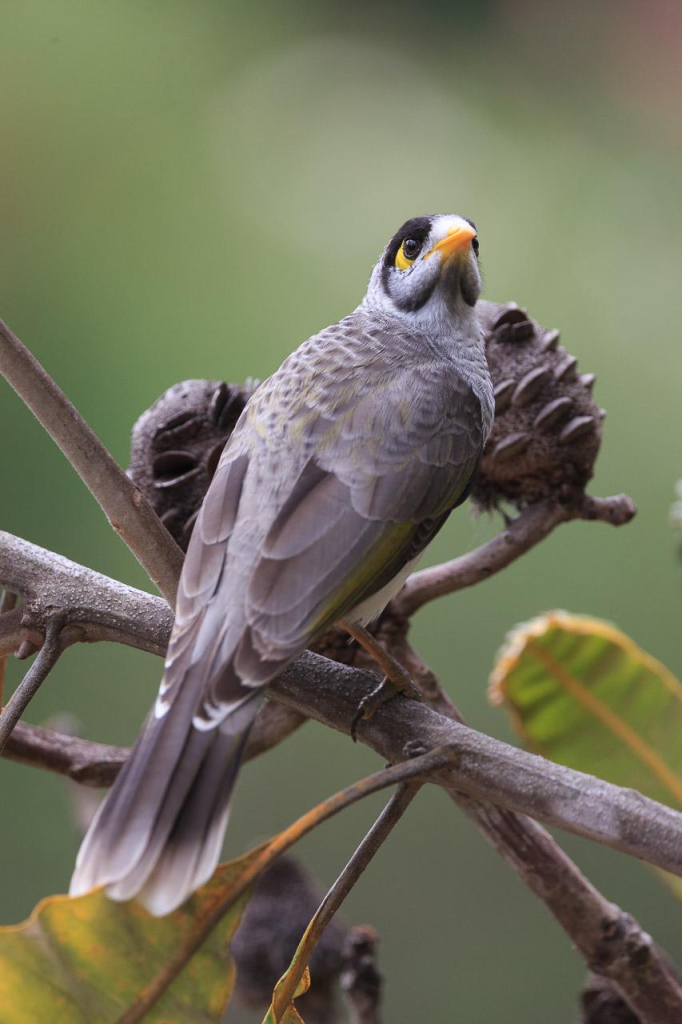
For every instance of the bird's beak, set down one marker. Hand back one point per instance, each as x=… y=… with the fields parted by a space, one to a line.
x=457 y=239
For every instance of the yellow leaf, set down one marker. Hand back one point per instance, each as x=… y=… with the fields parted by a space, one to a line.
x=84 y=960
x=291 y=1014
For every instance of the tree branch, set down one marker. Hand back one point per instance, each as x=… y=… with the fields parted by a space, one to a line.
x=489 y=770
x=98 y=764
x=530 y=527
x=94 y=606
x=611 y=942
x=627 y=958
x=28 y=687
x=128 y=511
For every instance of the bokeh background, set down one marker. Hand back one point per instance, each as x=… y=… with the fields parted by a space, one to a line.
x=189 y=188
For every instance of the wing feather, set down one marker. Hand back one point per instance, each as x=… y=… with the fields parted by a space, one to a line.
x=357 y=513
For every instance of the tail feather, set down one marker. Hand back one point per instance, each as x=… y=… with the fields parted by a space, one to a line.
x=120 y=832
x=192 y=851
x=158 y=834
x=134 y=857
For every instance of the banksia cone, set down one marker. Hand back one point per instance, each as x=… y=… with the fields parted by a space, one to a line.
x=545 y=438
x=547 y=427
x=176 y=445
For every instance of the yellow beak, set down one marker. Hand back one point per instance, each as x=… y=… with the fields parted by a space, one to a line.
x=455 y=240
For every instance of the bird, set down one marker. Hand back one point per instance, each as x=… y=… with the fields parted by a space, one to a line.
x=343 y=466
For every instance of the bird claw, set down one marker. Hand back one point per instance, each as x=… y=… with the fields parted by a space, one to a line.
x=376 y=698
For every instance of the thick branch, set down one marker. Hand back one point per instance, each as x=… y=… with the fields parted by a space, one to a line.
x=128 y=511
x=529 y=528
x=94 y=607
x=490 y=770
x=611 y=942
x=602 y=933
x=91 y=764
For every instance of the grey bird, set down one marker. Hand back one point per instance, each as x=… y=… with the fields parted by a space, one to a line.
x=342 y=468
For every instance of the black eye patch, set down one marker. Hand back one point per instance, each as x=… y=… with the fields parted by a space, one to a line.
x=418 y=228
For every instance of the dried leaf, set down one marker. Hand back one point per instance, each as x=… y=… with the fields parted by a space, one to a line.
x=291 y=1014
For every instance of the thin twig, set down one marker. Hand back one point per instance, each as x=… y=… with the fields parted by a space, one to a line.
x=86 y=762
x=529 y=528
x=376 y=836
x=28 y=687
x=128 y=511
x=7 y=603
x=98 y=764
x=419 y=767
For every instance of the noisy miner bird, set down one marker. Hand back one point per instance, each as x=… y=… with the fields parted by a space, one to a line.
x=340 y=471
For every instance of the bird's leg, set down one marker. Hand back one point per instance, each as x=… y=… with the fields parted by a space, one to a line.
x=396 y=680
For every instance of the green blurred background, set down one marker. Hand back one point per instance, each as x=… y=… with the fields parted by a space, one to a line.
x=189 y=189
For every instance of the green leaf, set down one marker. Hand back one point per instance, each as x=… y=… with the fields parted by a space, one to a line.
x=584 y=694
x=84 y=960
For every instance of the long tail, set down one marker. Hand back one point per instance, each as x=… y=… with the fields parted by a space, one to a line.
x=158 y=833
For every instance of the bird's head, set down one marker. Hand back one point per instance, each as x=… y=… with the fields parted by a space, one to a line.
x=430 y=262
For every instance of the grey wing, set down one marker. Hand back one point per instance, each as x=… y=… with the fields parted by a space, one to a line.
x=385 y=476
x=386 y=471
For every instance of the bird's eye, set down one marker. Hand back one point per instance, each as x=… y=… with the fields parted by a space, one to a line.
x=410 y=248
x=475 y=246
x=407 y=253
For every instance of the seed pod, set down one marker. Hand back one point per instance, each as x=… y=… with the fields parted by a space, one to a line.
x=503 y=394
x=546 y=433
x=176 y=445
x=547 y=427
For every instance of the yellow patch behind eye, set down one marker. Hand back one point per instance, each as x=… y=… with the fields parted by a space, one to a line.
x=401 y=260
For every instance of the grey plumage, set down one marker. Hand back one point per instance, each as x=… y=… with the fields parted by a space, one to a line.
x=341 y=469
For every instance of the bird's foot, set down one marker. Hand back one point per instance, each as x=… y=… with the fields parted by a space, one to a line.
x=396 y=680
x=376 y=698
